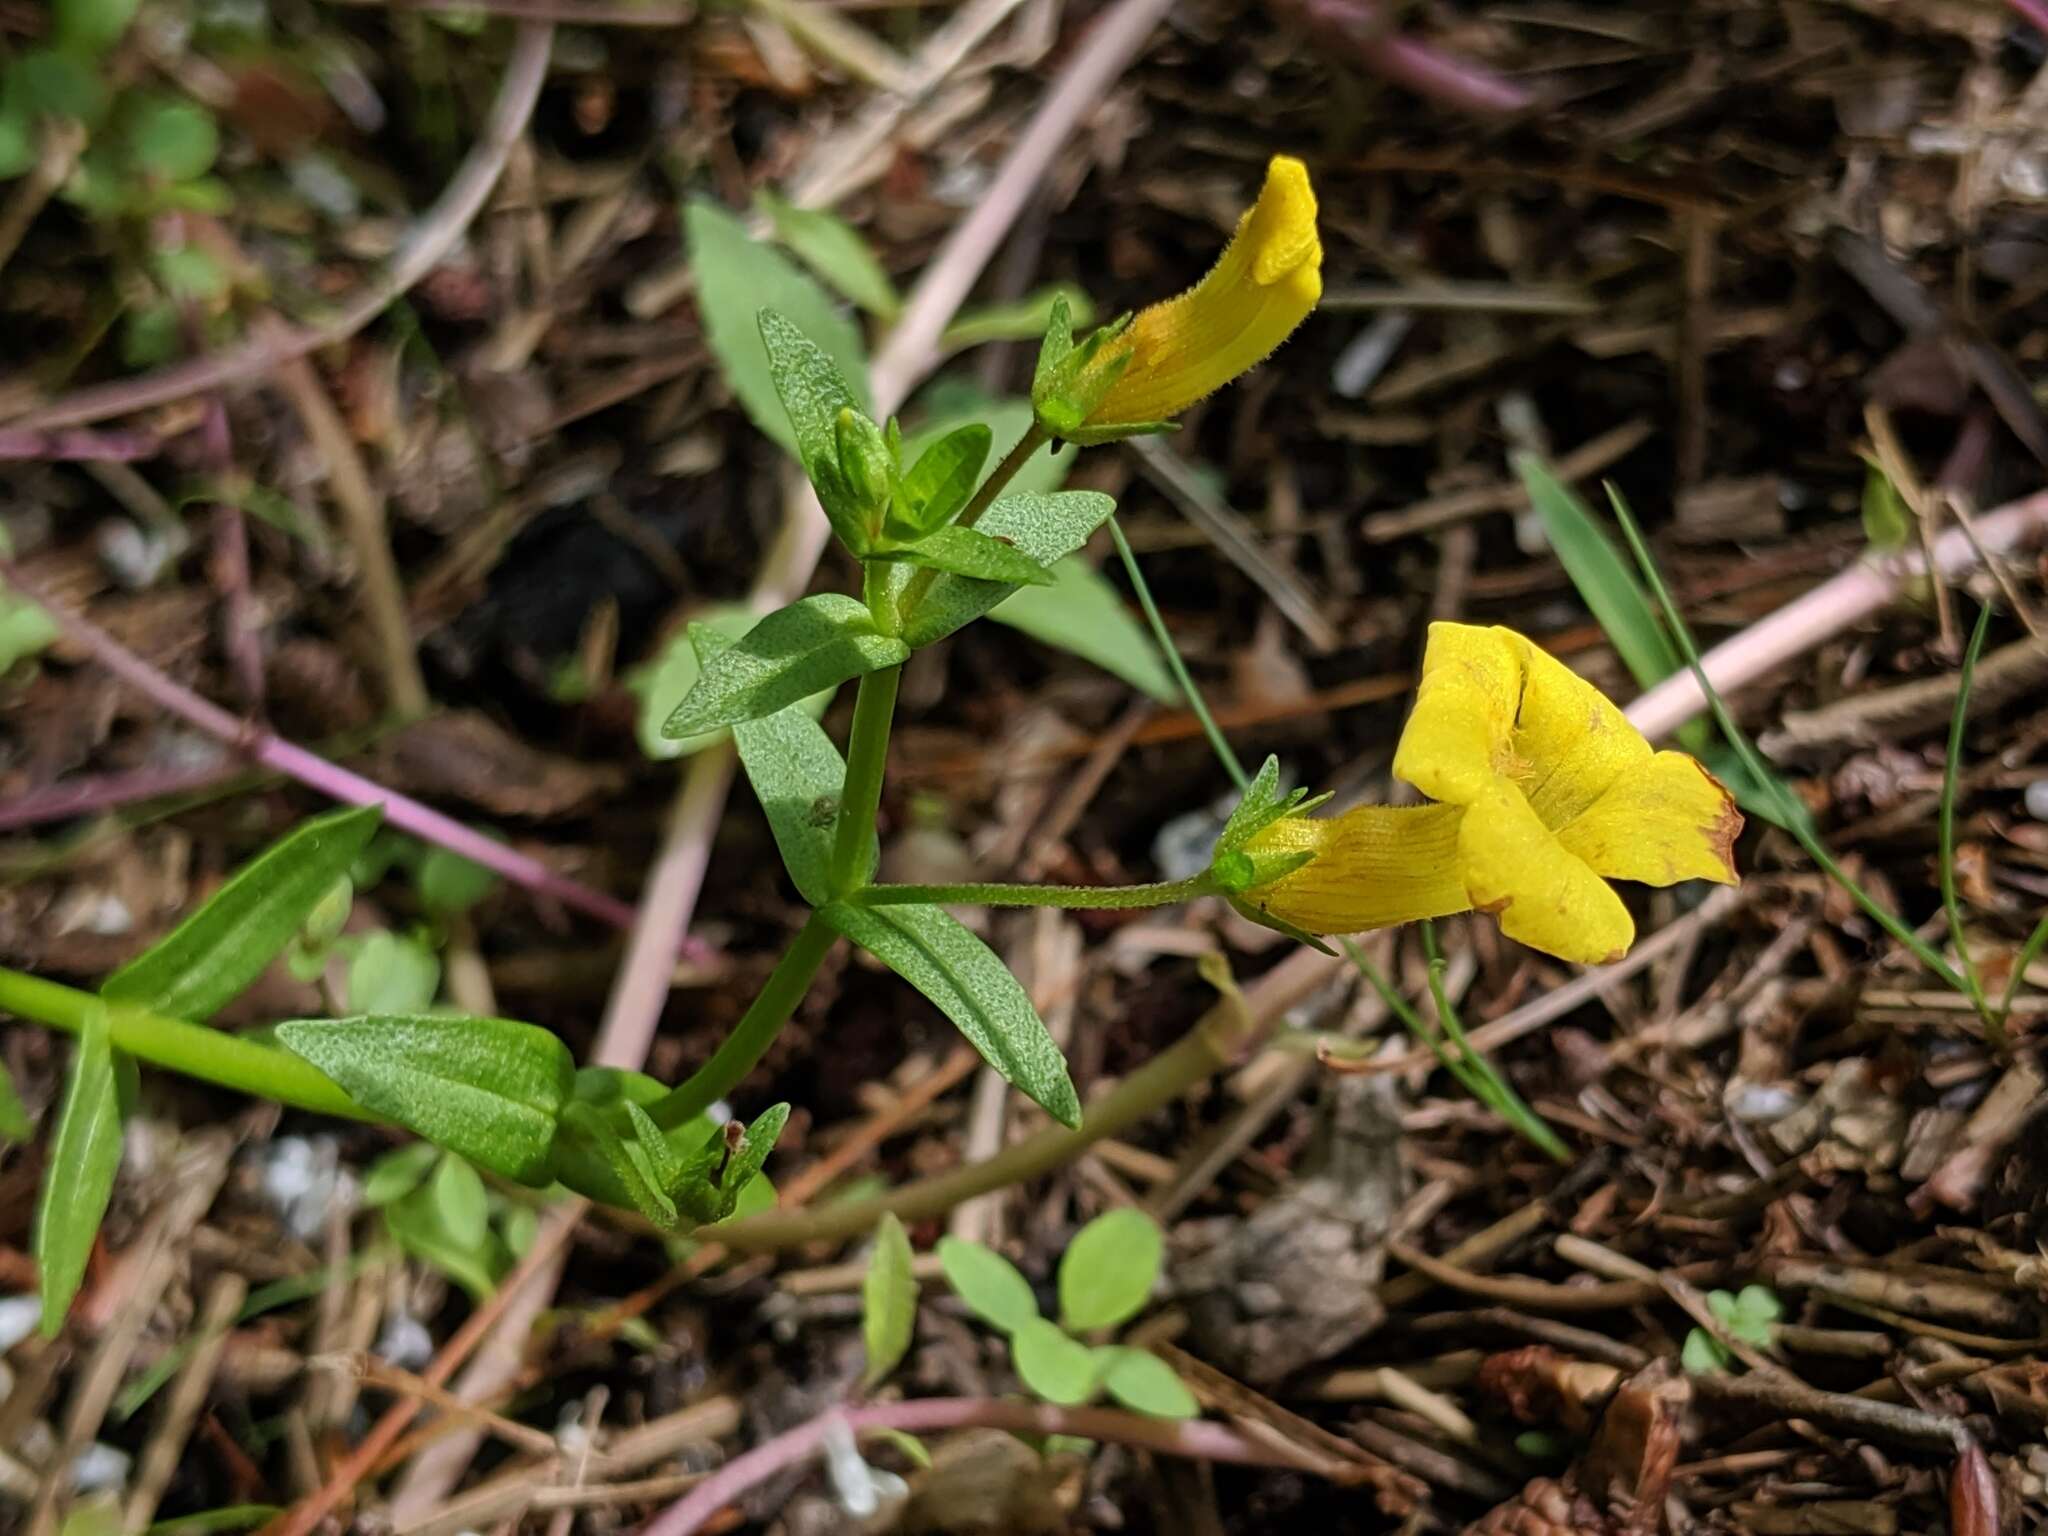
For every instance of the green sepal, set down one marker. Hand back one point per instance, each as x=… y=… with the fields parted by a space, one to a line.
x=867 y=468
x=1279 y=925
x=1070 y=382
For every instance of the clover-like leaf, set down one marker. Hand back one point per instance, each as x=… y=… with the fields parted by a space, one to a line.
x=1058 y=1368
x=1144 y=1383
x=1107 y=1272
x=990 y=1284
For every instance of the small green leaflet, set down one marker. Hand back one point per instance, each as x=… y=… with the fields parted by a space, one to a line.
x=464 y=1206
x=964 y=979
x=663 y=683
x=390 y=973
x=1041 y=528
x=85 y=1154
x=399 y=1172
x=224 y=946
x=1082 y=612
x=418 y=1223
x=1144 y=1383
x=939 y=482
x=739 y=276
x=797 y=773
x=888 y=1302
x=1107 y=1272
x=488 y=1089
x=970 y=552
x=836 y=251
x=1058 y=1368
x=988 y=1283
x=816 y=642
x=14 y=1122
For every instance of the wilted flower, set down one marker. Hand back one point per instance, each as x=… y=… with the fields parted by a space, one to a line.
x=1545 y=793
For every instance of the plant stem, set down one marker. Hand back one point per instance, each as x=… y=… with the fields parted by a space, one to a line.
x=867 y=759
x=211 y=1055
x=1193 y=1438
x=1098 y=898
x=754 y=1033
x=1223 y=1036
x=1224 y=754
x=1792 y=816
x=1952 y=772
x=2029 y=953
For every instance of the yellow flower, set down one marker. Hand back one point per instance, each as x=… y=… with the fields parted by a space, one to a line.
x=1545 y=793
x=1268 y=279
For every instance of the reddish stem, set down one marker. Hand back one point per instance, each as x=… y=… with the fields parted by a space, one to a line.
x=314 y=771
x=1194 y=1439
x=1365 y=30
x=76 y=445
x=2035 y=11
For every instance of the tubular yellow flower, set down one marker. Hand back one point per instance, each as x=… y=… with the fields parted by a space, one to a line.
x=1268 y=279
x=1545 y=793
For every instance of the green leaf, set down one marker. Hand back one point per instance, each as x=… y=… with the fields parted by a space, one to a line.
x=17 y=143
x=399 y=1172
x=169 y=139
x=963 y=977
x=1057 y=1368
x=743 y=1168
x=1754 y=1315
x=224 y=946
x=1022 y=319
x=416 y=1223
x=738 y=277
x=663 y=684
x=888 y=1302
x=1107 y=1271
x=464 y=1205
x=953 y=403
x=1042 y=528
x=797 y=774
x=25 y=630
x=188 y=273
x=85 y=1154
x=1704 y=1355
x=488 y=1089
x=592 y=1158
x=390 y=974
x=91 y=26
x=1144 y=1383
x=988 y=1283
x=14 y=1121
x=815 y=397
x=1605 y=583
x=969 y=552
x=940 y=481
x=448 y=883
x=836 y=251
x=149 y=334
x=48 y=82
x=911 y=1447
x=1083 y=613
x=1887 y=521
x=816 y=642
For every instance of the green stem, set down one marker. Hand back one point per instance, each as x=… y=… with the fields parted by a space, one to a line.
x=1035 y=437
x=1994 y=1026
x=867 y=758
x=1098 y=898
x=1791 y=815
x=2029 y=953
x=211 y=1055
x=755 y=1032
x=1217 y=744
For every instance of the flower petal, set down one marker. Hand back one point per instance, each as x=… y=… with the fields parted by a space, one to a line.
x=1264 y=285
x=1571 y=743
x=1545 y=897
x=1455 y=746
x=1374 y=866
x=1662 y=822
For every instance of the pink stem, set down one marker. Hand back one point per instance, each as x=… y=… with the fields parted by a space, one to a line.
x=2035 y=11
x=60 y=802
x=1365 y=30
x=1194 y=1439
x=314 y=771
x=20 y=443
x=1827 y=610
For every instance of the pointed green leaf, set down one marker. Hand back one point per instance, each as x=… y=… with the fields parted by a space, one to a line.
x=1253 y=811
x=936 y=486
x=888 y=1302
x=1057 y=1368
x=816 y=642
x=836 y=251
x=988 y=1283
x=963 y=977
x=746 y=1163
x=1081 y=612
x=738 y=277
x=809 y=386
x=662 y=684
x=85 y=1154
x=1041 y=528
x=1107 y=1272
x=416 y=1223
x=464 y=1205
x=952 y=404
x=1144 y=1383
x=970 y=552
x=488 y=1089
x=224 y=946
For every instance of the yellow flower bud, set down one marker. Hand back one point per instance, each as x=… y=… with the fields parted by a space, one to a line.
x=1268 y=279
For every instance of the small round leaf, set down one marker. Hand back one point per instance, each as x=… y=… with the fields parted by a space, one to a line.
x=1144 y=1383
x=462 y=1202
x=398 y=1173
x=1107 y=1274
x=989 y=1283
x=171 y=140
x=1056 y=1367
